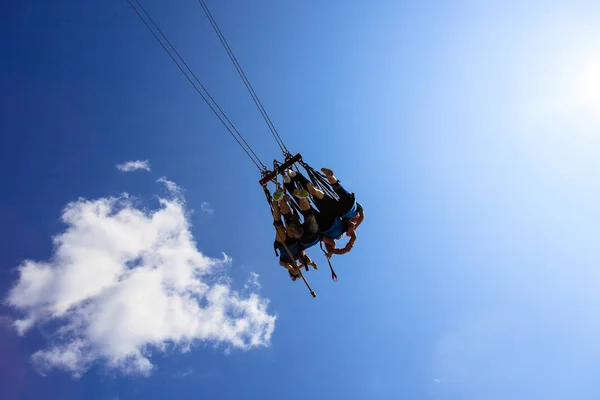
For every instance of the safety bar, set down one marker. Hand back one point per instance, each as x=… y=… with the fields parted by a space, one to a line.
x=269 y=175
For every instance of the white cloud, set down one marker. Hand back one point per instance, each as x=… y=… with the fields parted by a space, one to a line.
x=183 y=374
x=134 y=165
x=171 y=186
x=124 y=282
x=253 y=282
x=206 y=208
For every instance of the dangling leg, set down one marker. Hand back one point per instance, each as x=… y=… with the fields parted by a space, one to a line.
x=305 y=184
x=301 y=179
x=292 y=221
x=304 y=204
x=317 y=193
x=284 y=206
x=310 y=226
x=336 y=185
x=281 y=231
x=346 y=198
x=329 y=174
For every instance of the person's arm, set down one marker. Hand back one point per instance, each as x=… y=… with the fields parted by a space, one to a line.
x=309 y=261
x=351 y=228
x=359 y=218
x=350 y=243
x=328 y=241
x=331 y=250
x=289 y=266
x=348 y=246
x=328 y=249
x=329 y=246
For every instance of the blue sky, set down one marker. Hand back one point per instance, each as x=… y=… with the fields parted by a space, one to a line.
x=468 y=130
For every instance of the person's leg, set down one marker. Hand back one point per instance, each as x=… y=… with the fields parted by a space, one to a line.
x=329 y=174
x=278 y=194
x=301 y=179
x=284 y=207
x=310 y=227
x=292 y=221
x=335 y=184
x=316 y=193
x=327 y=206
x=346 y=199
x=290 y=187
x=281 y=232
x=328 y=209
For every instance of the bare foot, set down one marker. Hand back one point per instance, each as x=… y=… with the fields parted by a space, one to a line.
x=315 y=192
x=327 y=171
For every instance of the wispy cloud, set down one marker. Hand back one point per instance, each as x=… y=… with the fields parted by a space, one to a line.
x=207 y=209
x=253 y=283
x=183 y=374
x=123 y=282
x=171 y=186
x=129 y=166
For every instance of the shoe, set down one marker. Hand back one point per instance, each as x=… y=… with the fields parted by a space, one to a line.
x=286 y=179
x=301 y=194
x=291 y=173
x=278 y=195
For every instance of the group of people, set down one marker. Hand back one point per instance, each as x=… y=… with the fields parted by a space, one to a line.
x=329 y=221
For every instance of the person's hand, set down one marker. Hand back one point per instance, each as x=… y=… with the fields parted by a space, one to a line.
x=328 y=254
x=294 y=276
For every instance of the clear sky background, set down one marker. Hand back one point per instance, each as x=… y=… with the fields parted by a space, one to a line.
x=468 y=130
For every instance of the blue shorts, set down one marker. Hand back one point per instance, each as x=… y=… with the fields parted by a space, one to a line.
x=336 y=230
x=293 y=247
x=353 y=212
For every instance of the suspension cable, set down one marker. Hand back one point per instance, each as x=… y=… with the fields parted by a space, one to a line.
x=245 y=79
x=198 y=86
